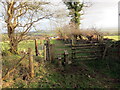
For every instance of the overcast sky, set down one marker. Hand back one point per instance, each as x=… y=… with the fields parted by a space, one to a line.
x=102 y=14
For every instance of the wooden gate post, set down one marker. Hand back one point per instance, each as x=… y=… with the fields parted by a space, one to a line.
x=51 y=50
x=43 y=49
x=72 y=42
x=65 y=56
x=60 y=61
x=36 y=48
x=73 y=54
x=73 y=49
x=45 y=56
x=31 y=66
x=47 y=50
x=47 y=44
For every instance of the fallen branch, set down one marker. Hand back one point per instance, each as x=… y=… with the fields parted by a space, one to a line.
x=9 y=71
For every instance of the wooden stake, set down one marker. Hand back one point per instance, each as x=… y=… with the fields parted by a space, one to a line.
x=65 y=56
x=72 y=42
x=51 y=50
x=60 y=61
x=42 y=48
x=105 y=51
x=47 y=49
x=36 y=47
x=31 y=66
x=45 y=57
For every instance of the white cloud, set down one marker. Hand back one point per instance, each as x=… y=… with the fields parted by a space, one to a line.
x=102 y=14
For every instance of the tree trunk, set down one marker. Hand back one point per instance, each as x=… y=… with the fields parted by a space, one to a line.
x=13 y=47
x=13 y=41
x=11 y=28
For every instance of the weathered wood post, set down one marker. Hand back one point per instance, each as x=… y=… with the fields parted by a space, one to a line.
x=31 y=65
x=73 y=49
x=47 y=49
x=42 y=53
x=104 y=50
x=73 y=41
x=0 y=70
x=65 y=57
x=51 y=50
x=45 y=57
x=36 y=48
x=60 y=61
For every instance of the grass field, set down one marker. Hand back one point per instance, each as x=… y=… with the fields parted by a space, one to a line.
x=24 y=45
x=30 y=43
x=84 y=74
x=116 y=38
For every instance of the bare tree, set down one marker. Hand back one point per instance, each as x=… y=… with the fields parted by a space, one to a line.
x=93 y=34
x=20 y=16
x=68 y=31
x=98 y=33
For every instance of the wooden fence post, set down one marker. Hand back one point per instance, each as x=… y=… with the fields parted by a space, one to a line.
x=47 y=44
x=0 y=71
x=45 y=57
x=36 y=48
x=72 y=42
x=65 y=56
x=51 y=50
x=73 y=51
x=46 y=50
x=105 y=50
x=60 y=61
x=73 y=54
x=42 y=48
x=0 y=78
x=31 y=66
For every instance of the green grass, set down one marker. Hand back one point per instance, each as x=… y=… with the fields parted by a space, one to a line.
x=116 y=38
x=24 y=45
x=109 y=67
x=60 y=47
x=81 y=74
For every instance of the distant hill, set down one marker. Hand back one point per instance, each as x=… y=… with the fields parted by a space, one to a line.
x=111 y=30
x=41 y=33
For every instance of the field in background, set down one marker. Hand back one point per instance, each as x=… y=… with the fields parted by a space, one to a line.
x=23 y=46
x=116 y=38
